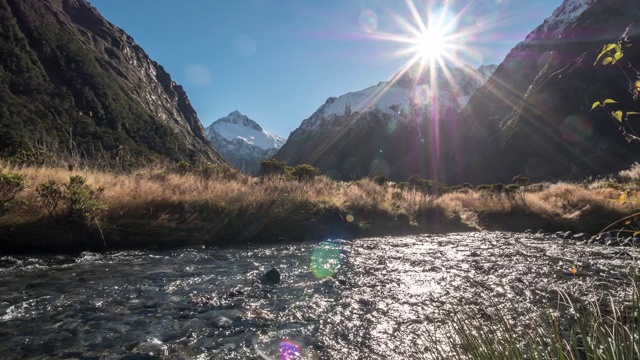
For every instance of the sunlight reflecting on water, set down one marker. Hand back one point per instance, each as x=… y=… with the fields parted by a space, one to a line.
x=389 y=297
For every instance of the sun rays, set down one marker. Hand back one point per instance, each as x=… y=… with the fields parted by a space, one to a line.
x=433 y=41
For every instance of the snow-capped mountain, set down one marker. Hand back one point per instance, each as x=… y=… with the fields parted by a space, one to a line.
x=407 y=93
x=242 y=142
x=345 y=135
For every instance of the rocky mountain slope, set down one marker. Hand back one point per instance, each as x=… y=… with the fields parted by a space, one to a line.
x=388 y=129
x=242 y=142
x=533 y=116
x=73 y=85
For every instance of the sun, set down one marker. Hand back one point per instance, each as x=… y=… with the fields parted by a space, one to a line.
x=431 y=34
x=431 y=45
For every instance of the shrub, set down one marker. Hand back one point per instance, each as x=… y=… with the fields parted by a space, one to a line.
x=521 y=180
x=497 y=187
x=483 y=187
x=511 y=188
x=183 y=167
x=10 y=185
x=305 y=172
x=380 y=179
x=401 y=185
x=73 y=204
x=273 y=167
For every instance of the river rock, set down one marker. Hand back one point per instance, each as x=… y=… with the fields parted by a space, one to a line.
x=235 y=292
x=271 y=277
x=222 y=322
x=580 y=236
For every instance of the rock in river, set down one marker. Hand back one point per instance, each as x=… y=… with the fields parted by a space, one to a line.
x=271 y=277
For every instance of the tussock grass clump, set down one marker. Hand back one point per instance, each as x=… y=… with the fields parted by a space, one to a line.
x=632 y=174
x=602 y=330
x=561 y=206
x=215 y=204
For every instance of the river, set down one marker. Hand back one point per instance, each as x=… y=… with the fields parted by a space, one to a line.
x=362 y=299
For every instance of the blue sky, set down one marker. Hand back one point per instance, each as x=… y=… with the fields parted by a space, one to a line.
x=277 y=61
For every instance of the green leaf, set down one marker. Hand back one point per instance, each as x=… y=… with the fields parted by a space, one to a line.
x=608 y=60
x=606 y=49
x=618 y=55
x=602 y=103
x=618 y=115
x=633 y=113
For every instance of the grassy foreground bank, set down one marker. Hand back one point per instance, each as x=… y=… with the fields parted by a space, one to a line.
x=172 y=206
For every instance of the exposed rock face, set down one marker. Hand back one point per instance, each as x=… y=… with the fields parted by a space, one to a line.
x=242 y=142
x=66 y=72
x=389 y=129
x=533 y=116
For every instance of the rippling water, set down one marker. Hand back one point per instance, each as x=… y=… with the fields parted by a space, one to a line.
x=386 y=295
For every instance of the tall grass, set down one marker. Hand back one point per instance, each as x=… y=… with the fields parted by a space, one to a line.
x=606 y=330
x=218 y=203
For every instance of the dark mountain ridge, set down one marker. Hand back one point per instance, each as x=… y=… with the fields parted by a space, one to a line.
x=73 y=85
x=389 y=129
x=533 y=116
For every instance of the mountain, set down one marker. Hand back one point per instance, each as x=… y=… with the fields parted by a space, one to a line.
x=388 y=129
x=533 y=116
x=73 y=85
x=242 y=142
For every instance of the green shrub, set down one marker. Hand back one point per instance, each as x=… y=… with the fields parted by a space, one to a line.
x=497 y=187
x=273 y=167
x=74 y=204
x=521 y=180
x=10 y=185
x=305 y=172
x=183 y=167
x=380 y=180
x=511 y=188
x=401 y=185
x=483 y=187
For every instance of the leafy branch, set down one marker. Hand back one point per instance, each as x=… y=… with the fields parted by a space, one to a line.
x=611 y=54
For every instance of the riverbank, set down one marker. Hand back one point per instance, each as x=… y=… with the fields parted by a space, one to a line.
x=174 y=207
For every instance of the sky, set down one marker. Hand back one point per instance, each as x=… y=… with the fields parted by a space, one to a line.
x=277 y=61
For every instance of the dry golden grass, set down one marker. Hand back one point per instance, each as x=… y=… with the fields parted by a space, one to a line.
x=248 y=207
x=558 y=206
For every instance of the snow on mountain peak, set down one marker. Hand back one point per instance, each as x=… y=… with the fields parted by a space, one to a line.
x=562 y=17
x=243 y=142
x=407 y=92
x=237 y=118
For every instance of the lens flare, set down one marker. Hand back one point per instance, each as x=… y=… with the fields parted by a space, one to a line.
x=198 y=75
x=245 y=45
x=326 y=259
x=576 y=128
x=368 y=20
x=289 y=350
